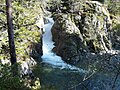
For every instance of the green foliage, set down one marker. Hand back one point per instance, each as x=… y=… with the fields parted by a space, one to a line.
x=116 y=29
x=8 y=81
x=114 y=8
x=25 y=14
x=11 y=81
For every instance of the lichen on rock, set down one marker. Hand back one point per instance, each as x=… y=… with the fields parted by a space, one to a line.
x=85 y=30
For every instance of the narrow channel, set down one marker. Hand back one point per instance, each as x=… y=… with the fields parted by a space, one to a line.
x=49 y=56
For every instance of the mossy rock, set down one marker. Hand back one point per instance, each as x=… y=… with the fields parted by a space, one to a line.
x=89 y=29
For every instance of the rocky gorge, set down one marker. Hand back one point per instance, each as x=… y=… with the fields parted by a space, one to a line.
x=85 y=39
x=85 y=31
x=87 y=35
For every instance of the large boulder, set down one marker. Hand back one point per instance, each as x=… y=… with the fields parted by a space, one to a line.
x=86 y=29
x=68 y=38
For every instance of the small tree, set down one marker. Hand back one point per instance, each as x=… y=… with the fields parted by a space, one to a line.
x=10 y=31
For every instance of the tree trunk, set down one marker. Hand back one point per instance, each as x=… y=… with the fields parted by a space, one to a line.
x=10 y=31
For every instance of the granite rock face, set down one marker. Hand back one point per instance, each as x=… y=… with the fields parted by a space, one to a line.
x=68 y=38
x=86 y=29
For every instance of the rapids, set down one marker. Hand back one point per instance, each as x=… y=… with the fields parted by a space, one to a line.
x=49 y=56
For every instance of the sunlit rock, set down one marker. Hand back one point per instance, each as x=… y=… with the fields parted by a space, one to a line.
x=88 y=30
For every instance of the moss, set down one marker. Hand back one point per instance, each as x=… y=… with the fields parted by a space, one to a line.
x=117 y=28
x=100 y=18
x=114 y=8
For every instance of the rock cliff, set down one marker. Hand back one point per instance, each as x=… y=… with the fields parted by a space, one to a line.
x=86 y=29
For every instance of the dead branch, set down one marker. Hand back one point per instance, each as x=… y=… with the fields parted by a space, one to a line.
x=2 y=5
x=83 y=80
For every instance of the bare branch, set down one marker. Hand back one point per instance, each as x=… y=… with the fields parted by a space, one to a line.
x=83 y=81
x=2 y=5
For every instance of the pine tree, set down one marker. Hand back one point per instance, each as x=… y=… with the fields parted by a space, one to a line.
x=10 y=31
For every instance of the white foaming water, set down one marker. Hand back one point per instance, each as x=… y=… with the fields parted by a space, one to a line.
x=48 y=55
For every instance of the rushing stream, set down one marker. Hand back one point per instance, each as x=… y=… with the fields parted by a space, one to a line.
x=50 y=57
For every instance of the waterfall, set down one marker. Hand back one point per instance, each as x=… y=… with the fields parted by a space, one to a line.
x=50 y=57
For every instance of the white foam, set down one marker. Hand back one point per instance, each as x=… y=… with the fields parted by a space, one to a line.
x=48 y=55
